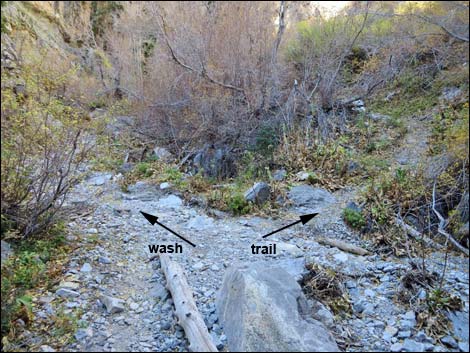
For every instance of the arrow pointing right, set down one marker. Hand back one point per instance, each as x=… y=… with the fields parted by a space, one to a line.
x=304 y=219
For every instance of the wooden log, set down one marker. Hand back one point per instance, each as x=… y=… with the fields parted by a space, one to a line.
x=188 y=316
x=416 y=235
x=343 y=246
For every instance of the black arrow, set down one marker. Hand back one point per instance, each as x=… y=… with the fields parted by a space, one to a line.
x=154 y=219
x=304 y=219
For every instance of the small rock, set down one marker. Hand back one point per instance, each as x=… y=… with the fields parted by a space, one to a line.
x=407 y=325
x=378 y=117
x=302 y=176
x=82 y=333
x=69 y=285
x=113 y=305
x=409 y=315
x=162 y=154
x=404 y=334
x=279 y=174
x=198 y=266
x=463 y=346
x=166 y=325
x=258 y=193
x=86 y=267
x=389 y=332
x=396 y=347
x=410 y=345
x=134 y=306
x=104 y=260
x=216 y=340
x=165 y=185
x=46 y=348
x=67 y=293
x=449 y=341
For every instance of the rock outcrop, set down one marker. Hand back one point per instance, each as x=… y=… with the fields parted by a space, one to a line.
x=263 y=309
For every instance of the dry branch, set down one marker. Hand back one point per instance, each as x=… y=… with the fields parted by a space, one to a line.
x=353 y=249
x=188 y=316
x=443 y=223
x=415 y=234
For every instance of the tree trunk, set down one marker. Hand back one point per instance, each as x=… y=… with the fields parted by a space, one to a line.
x=188 y=316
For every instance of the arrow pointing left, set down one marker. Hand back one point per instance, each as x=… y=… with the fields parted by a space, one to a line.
x=154 y=219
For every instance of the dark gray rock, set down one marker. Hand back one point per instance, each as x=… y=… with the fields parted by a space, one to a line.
x=215 y=162
x=126 y=167
x=258 y=193
x=263 y=309
x=309 y=197
x=353 y=206
x=279 y=174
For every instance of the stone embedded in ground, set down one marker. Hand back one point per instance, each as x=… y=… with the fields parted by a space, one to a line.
x=67 y=293
x=449 y=341
x=171 y=201
x=165 y=185
x=309 y=197
x=99 y=179
x=288 y=248
x=69 y=285
x=86 y=267
x=258 y=193
x=104 y=260
x=113 y=305
x=302 y=176
x=201 y=222
x=260 y=309
x=162 y=154
x=378 y=116
x=279 y=174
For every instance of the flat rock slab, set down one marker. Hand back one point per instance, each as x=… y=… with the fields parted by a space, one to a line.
x=262 y=309
x=310 y=198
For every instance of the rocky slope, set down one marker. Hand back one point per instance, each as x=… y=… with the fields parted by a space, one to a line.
x=125 y=305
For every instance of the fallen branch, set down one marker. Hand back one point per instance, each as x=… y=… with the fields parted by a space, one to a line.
x=415 y=234
x=353 y=249
x=188 y=316
x=443 y=224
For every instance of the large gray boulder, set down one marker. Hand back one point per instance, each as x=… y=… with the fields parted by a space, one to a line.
x=262 y=309
x=308 y=197
x=162 y=154
x=215 y=162
x=258 y=193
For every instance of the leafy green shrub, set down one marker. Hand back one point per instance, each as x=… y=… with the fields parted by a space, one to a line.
x=143 y=169
x=238 y=205
x=354 y=218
